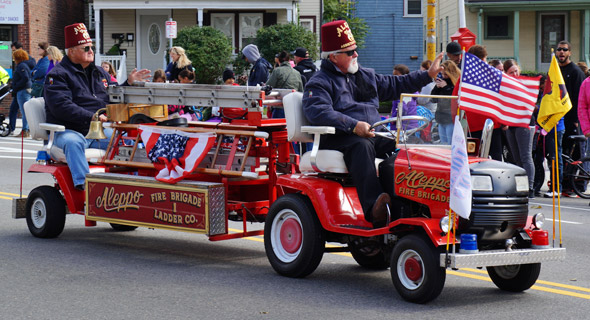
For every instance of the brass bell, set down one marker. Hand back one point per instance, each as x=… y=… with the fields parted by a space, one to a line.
x=95 y=132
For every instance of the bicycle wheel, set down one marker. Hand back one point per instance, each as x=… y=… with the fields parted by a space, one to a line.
x=4 y=130
x=580 y=176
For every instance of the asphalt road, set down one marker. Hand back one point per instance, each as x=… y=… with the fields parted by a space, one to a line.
x=97 y=273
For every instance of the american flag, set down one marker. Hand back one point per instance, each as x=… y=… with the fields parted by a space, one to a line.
x=488 y=91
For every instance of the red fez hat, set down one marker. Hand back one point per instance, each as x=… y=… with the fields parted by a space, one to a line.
x=76 y=34
x=336 y=35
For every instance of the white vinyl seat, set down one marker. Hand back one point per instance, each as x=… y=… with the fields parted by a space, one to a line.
x=40 y=130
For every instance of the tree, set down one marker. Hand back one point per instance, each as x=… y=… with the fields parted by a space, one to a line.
x=276 y=38
x=343 y=9
x=209 y=50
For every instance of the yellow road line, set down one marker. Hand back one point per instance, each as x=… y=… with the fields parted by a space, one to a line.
x=7 y=198
x=10 y=194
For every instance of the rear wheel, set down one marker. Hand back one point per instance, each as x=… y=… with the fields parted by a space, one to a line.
x=122 y=227
x=4 y=130
x=579 y=178
x=46 y=212
x=415 y=269
x=369 y=253
x=515 y=278
x=293 y=236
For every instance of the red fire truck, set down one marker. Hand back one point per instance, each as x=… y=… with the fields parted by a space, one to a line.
x=251 y=174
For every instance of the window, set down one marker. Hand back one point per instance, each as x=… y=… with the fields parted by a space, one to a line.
x=308 y=22
x=249 y=25
x=412 y=8
x=224 y=22
x=498 y=26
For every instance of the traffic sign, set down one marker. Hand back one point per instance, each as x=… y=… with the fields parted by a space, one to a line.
x=171 y=29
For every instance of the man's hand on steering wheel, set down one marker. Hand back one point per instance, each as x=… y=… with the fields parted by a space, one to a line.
x=363 y=129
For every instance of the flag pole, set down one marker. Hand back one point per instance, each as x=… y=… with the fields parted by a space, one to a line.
x=553 y=196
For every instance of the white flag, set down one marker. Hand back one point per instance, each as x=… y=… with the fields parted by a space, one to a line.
x=460 y=199
x=122 y=71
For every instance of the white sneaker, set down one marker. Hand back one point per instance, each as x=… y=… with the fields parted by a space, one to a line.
x=550 y=194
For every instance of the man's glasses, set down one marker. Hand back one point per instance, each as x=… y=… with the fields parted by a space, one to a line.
x=88 y=48
x=348 y=53
x=562 y=49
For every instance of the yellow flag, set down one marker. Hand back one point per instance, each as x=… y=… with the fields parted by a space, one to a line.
x=556 y=101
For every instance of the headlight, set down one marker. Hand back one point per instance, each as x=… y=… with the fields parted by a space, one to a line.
x=522 y=183
x=444 y=224
x=539 y=220
x=481 y=183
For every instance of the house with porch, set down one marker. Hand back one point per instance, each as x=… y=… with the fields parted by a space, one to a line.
x=140 y=25
x=523 y=30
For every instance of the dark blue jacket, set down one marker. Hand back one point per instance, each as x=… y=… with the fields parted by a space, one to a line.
x=332 y=98
x=73 y=95
x=40 y=70
x=259 y=72
x=21 y=79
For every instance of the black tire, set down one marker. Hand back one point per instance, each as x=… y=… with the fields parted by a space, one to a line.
x=4 y=130
x=579 y=179
x=46 y=212
x=122 y=227
x=415 y=269
x=369 y=254
x=515 y=278
x=293 y=236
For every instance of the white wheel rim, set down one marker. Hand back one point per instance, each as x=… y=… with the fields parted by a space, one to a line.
x=407 y=280
x=283 y=227
x=38 y=213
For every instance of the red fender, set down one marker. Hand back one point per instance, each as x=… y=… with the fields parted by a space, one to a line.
x=74 y=197
x=339 y=210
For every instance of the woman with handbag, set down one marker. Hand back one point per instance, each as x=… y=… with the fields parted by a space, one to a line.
x=40 y=70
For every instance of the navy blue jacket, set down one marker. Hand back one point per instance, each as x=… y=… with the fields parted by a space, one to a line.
x=72 y=97
x=40 y=70
x=259 y=72
x=339 y=100
x=21 y=79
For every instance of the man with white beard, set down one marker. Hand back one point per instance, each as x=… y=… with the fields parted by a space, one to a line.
x=346 y=96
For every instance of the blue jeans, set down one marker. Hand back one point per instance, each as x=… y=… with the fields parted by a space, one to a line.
x=23 y=96
x=445 y=132
x=73 y=144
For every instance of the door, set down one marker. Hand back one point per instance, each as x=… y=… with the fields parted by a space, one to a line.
x=552 y=29
x=152 y=42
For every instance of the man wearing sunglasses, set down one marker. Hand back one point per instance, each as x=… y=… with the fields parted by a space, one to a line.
x=346 y=96
x=74 y=90
x=573 y=78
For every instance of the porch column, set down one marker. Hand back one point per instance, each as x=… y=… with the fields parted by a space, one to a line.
x=587 y=36
x=289 y=15
x=97 y=36
x=517 y=36
x=479 y=26
x=200 y=17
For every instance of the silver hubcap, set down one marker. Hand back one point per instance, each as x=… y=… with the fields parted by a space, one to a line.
x=38 y=213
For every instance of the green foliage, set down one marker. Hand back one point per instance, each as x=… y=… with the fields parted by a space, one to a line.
x=276 y=38
x=209 y=50
x=342 y=9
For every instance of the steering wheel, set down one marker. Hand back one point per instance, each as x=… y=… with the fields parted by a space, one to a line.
x=404 y=133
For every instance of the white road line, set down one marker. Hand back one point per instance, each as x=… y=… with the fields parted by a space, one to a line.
x=14 y=157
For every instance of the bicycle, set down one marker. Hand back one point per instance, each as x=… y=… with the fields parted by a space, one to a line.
x=4 y=128
x=577 y=171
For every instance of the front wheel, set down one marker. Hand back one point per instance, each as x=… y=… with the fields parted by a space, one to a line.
x=46 y=212
x=415 y=269
x=293 y=236
x=515 y=278
x=579 y=178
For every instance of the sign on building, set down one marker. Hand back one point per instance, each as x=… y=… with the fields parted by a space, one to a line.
x=12 y=12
